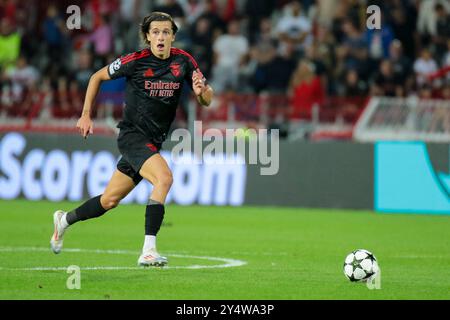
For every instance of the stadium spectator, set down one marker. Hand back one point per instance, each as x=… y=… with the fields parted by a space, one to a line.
x=10 y=41
x=427 y=20
x=352 y=85
x=230 y=51
x=9 y=10
x=425 y=92
x=22 y=77
x=295 y=27
x=131 y=12
x=229 y=9
x=75 y=97
x=353 y=53
x=257 y=12
x=424 y=66
x=386 y=82
x=84 y=68
x=202 y=42
x=305 y=91
x=400 y=62
x=442 y=31
x=331 y=35
x=355 y=10
x=171 y=7
x=445 y=92
x=341 y=15
x=62 y=104
x=102 y=39
x=216 y=23
x=96 y=9
x=275 y=69
x=263 y=55
x=263 y=52
x=326 y=10
x=192 y=9
x=446 y=59
x=110 y=99
x=46 y=109
x=352 y=93
x=183 y=38
x=378 y=41
x=265 y=35
x=313 y=54
x=402 y=17
x=325 y=49
x=54 y=30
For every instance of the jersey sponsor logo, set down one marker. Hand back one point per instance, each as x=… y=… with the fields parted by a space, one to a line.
x=175 y=69
x=115 y=66
x=148 y=73
x=161 y=89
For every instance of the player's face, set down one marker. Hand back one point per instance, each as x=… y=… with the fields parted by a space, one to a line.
x=161 y=37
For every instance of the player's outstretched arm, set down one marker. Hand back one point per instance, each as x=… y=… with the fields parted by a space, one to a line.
x=203 y=92
x=85 y=124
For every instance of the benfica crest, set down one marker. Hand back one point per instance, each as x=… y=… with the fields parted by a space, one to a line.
x=175 y=69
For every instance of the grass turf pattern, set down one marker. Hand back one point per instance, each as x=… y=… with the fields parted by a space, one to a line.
x=289 y=253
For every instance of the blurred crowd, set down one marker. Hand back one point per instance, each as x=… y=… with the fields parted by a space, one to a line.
x=311 y=53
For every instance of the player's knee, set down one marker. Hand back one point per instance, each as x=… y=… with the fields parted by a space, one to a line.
x=110 y=202
x=165 y=180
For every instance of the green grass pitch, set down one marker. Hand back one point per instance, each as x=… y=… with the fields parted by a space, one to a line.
x=288 y=254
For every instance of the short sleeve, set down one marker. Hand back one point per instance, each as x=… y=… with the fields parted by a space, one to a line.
x=192 y=66
x=121 y=67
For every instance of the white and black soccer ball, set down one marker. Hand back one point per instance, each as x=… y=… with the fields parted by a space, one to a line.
x=360 y=265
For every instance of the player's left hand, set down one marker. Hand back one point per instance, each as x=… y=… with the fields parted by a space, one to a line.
x=198 y=85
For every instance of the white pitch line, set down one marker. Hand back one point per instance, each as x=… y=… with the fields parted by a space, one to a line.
x=422 y=257
x=227 y=263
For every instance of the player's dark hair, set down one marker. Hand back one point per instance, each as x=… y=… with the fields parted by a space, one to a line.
x=155 y=16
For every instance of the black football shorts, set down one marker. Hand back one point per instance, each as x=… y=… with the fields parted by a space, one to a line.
x=135 y=149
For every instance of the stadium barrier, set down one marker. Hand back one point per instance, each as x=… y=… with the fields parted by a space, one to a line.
x=385 y=176
x=399 y=119
x=58 y=110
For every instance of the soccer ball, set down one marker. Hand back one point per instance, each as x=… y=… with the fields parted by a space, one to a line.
x=360 y=265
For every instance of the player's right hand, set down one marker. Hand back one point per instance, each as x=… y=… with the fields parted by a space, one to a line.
x=85 y=126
